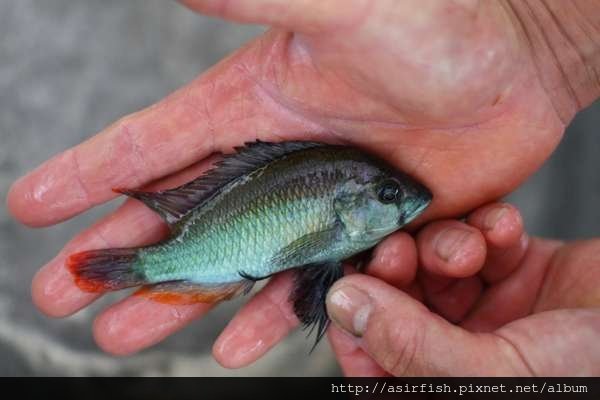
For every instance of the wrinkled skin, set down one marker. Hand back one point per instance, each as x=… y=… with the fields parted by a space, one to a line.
x=446 y=91
x=510 y=305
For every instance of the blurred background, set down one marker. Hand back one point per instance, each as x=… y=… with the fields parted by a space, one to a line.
x=68 y=69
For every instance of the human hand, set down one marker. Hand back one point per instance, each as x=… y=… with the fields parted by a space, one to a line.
x=513 y=307
x=448 y=92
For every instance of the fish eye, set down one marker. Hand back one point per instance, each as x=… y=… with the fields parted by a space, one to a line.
x=389 y=191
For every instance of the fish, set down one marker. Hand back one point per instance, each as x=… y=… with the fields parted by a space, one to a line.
x=266 y=208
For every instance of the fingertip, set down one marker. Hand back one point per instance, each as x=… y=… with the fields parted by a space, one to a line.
x=451 y=248
x=54 y=292
x=373 y=287
x=220 y=356
x=230 y=357
x=18 y=204
x=236 y=348
x=500 y=223
x=105 y=339
x=353 y=300
x=48 y=194
x=11 y=199
x=395 y=260
x=401 y=334
x=40 y=300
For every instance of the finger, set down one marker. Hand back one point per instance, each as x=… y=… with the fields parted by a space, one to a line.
x=53 y=289
x=501 y=263
x=136 y=323
x=500 y=223
x=351 y=357
x=451 y=248
x=406 y=339
x=310 y=16
x=130 y=153
x=515 y=296
x=394 y=260
x=261 y=323
x=221 y=109
x=502 y=227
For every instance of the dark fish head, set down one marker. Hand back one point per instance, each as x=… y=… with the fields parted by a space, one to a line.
x=384 y=203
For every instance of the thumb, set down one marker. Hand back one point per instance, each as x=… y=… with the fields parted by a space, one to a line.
x=406 y=339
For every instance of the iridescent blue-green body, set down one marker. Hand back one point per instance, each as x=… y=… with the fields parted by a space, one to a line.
x=266 y=209
x=243 y=229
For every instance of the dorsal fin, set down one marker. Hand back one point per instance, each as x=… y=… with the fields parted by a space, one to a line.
x=174 y=204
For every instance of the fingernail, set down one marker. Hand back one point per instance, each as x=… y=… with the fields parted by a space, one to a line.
x=349 y=308
x=493 y=217
x=449 y=242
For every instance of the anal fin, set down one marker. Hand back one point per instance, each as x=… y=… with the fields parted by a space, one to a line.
x=311 y=284
x=184 y=292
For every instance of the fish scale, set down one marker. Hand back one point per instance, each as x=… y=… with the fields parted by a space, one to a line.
x=267 y=208
x=282 y=216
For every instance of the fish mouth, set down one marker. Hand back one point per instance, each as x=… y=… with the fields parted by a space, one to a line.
x=420 y=203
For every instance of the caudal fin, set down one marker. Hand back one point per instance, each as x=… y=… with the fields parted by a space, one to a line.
x=105 y=270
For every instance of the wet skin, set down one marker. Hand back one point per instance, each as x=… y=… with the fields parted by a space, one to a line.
x=389 y=79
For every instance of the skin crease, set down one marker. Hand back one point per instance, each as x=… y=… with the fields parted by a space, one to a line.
x=418 y=83
x=553 y=304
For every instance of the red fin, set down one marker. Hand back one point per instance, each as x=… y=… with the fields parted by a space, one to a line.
x=104 y=270
x=73 y=264
x=180 y=293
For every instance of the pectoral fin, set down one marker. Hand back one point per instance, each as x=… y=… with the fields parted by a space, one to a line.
x=183 y=292
x=306 y=247
x=311 y=284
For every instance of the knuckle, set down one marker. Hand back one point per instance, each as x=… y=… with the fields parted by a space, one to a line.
x=84 y=192
x=129 y=150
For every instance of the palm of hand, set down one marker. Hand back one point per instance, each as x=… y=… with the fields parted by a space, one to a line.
x=451 y=98
x=449 y=86
x=564 y=320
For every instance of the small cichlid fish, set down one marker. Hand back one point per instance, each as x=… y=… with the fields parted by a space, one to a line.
x=265 y=209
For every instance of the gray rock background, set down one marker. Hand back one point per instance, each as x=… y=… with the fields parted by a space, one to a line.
x=69 y=68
